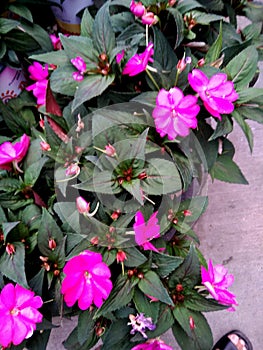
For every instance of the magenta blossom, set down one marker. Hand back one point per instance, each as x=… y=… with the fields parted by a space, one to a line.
x=119 y=56
x=216 y=280
x=38 y=72
x=175 y=113
x=217 y=92
x=137 y=8
x=81 y=66
x=145 y=232
x=138 y=62
x=82 y=206
x=39 y=91
x=153 y=344
x=140 y=323
x=18 y=314
x=13 y=153
x=55 y=42
x=87 y=280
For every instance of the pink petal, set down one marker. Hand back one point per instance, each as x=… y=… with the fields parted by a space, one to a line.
x=216 y=81
x=101 y=270
x=22 y=147
x=7 y=152
x=8 y=296
x=86 y=297
x=198 y=80
x=212 y=111
x=6 y=326
x=20 y=330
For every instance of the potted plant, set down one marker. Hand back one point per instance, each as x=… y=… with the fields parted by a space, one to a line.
x=104 y=159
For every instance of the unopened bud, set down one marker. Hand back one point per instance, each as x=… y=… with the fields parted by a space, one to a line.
x=137 y=8
x=94 y=240
x=115 y=215
x=82 y=206
x=110 y=150
x=175 y=221
x=149 y=18
x=140 y=275
x=142 y=176
x=42 y=123
x=52 y=244
x=179 y=288
x=10 y=249
x=72 y=169
x=56 y=272
x=121 y=256
x=45 y=146
x=201 y=62
x=187 y=212
x=191 y=323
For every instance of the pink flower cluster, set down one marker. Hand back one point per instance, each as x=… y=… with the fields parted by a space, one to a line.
x=18 y=314
x=12 y=154
x=87 y=280
x=39 y=74
x=139 y=10
x=81 y=66
x=138 y=63
x=217 y=280
x=175 y=113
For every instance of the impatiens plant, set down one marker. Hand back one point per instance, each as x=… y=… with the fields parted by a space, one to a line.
x=104 y=159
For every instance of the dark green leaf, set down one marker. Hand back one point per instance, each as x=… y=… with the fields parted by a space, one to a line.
x=7 y=227
x=61 y=80
x=90 y=87
x=59 y=58
x=87 y=23
x=196 y=302
x=103 y=34
x=164 y=322
x=245 y=128
x=215 y=49
x=21 y=11
x=134 y=257
x=117 y=336
x=188 y=5
x=38 y=34
x=246 y=95
x=178 y=18
x=33 y=171
x=166 y=264
x=13 y=266
x=201 y=336
x=146 y=306
x=152 y=285
x=188 y=273
x=225 y=169
x=242 y=67
x=6 y=25
x=120 y=296
x=223 y=127
x=86 y=326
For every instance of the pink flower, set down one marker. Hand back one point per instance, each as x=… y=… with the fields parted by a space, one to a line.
x=175 y=113
x=138 y=62
x=145 y=232
x=81 y=66
x=153 y=344
x=82 y=206
x=217 y=93
x=18 y=314
x=110 y=150
x=39 y=91
x=13 y=153
x=87 y=280
x=37 y=71
x=55 y=42
x=120 y=56
x=137 y=8
x=216 y=280
x=149 y=18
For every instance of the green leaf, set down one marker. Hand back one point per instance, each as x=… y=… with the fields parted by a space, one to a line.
x=152 y=285
x=103 y=34
x=162 y=177
x=179 y=22
x=117 y=336
x=134 y=188
x=61 y=80
x=225 y=169
x=188 y=273
x=120 y=296
x=166 y=264
x=144 y=305
x=59 y=58
x=102 y=182
x=36 y=283
x=86 y=326
x=21 y=11
x=38 y=34
x=164 y=322
x=195 y=301
x=6 y=25
x=245 y=128
x=134 y=257
x=223 y=127
x=196 y=205
x=7 y=227
x=243 y=67
x=215 y=49
x=205 y=18
x=246 y=95
x=33 y=171
x=9 y=184
x=188 y=5
x=201 y=336
x=50 y=230
x=90 y=87
x=87 y=22
x=13 y=266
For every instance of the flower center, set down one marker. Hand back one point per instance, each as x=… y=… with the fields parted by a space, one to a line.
x=15 y=312
x=87 y=276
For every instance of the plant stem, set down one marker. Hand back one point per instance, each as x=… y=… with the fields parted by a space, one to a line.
x=152 y=79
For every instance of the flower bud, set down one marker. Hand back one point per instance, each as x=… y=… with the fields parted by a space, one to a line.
x=10 y=249
x=191 y=323
x=52 y=244
x=201 y=62
x=45 y=146
x=110 y=150
x=121 y=256
x=137 y=8
x=149 y=18
x=72 y=169
x=115 y=214
x=179 y=288
x=82 y=206
x=187 y=212
x=94 y=240
x=171 y=2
